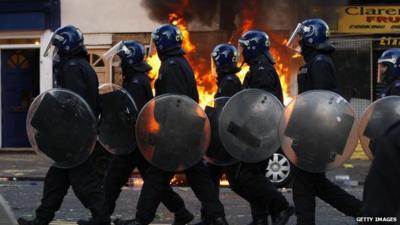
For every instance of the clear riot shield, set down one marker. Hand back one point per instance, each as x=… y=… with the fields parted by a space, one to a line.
x=117 y=120
x=318 y=130
x=248 y=125
x=172 y=132
x=216 y=153
x=376 y=119
x=61 y=127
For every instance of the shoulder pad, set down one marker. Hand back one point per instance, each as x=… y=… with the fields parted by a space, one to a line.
x=171 y=62
x=136 y=80
x=229 y=77
x=320 y=57
x=260 y=67
x=72 y=63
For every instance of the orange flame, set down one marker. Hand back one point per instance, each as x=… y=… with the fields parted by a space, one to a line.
x=206 y=82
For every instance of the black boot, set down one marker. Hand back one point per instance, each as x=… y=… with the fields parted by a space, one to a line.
x=283 y=217
x=93 y=222
x=183 y=217
x=259 y=221
x=22 y=221
x=214 y=221
x=129 y=222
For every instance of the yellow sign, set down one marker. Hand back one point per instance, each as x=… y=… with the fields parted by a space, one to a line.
x=389 y=41
x=369 y=19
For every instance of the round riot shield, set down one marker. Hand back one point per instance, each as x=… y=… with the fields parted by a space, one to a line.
x=248 y=125
x=216 y=153
x=6 y=215
x=172 y=132
x=117 y=120
x=318 y=130
x=61 y=127
x=376 y=119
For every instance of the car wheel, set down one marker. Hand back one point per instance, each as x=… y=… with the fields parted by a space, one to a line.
x=279 y=170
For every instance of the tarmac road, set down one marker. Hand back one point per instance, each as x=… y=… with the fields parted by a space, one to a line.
x=24 y=196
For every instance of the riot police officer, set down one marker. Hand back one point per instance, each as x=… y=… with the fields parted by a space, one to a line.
x=73 y=72
x=251 y=176
x=224 y=68
x=137 y=83
x=311 y=38
x=389 y=72
x=380 y=195
x=225 y=57
x=175 y=77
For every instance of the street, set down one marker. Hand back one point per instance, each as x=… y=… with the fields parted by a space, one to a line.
x=24 y=196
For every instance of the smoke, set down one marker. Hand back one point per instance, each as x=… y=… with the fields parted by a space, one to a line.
x=233 y=15
x=201 y=10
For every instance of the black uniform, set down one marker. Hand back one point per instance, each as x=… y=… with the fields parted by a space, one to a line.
x=137 y=83
x=262 y=75
x=318 y=74
x=381 y=196
x=250 y=177
x=228 y=85
x=76 y=74
x=382 y=185
x=391 y=89
x=176 y=77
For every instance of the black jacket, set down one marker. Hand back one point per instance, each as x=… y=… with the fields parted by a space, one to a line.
x=75 y=73
x=391 y=89
x=381 y=190
x=318 y=72
x=262 y=75
x=228 y=85
x=137 y=83
x=176 y=76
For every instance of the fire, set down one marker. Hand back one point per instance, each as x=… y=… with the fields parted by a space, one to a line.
x=187 y=44
x=206 y=82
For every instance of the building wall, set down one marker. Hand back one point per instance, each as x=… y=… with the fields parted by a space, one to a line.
x=105 y=16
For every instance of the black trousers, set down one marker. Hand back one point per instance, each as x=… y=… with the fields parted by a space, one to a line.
x=118 y=173
x=381 y=190
x=157 y=183
x=249 y=179
x=258 y=209
x=86 y=185
x=307 y=186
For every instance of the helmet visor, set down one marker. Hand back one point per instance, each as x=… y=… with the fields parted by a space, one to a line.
x=213 y=66
x=152 y=49
x=295 y=38
x=111 y=54
x=242 y=44
x=381 y=72
x=383 y=67
x=51 y=50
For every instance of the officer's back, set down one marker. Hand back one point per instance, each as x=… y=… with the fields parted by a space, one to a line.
x=77 y=75
x=262 y=74
x=389 y=72
x=319 y=71
x=134 y=72
x=176 y=75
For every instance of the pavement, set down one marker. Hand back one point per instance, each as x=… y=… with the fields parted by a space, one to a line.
x=21 y=176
